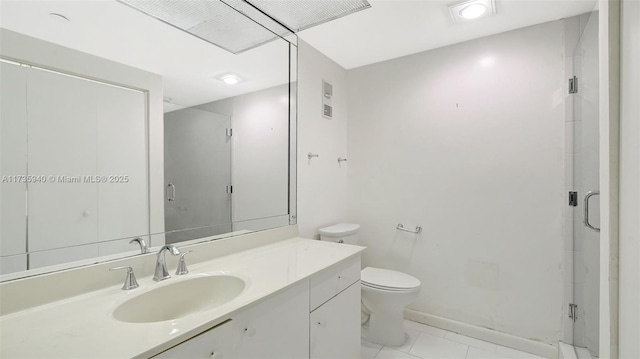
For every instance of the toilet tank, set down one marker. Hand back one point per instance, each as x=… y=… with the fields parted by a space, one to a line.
x=340 y=233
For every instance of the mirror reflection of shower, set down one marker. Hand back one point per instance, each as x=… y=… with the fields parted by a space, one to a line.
x=226 y=166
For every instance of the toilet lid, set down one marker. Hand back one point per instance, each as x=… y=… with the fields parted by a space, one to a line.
x=385 y=278
x=338 y=230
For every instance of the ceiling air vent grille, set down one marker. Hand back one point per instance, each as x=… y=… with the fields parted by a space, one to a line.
x=218 y=21
x=212 y=21
x=302 y=14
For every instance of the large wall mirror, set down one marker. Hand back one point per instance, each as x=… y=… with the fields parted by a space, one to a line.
x=116 y=125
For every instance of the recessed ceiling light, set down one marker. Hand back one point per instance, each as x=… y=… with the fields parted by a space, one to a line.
x=59 y=17
x=471 y=10
x=230 y=79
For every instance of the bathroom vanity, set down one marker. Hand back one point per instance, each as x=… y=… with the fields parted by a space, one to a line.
x=300 y=299
x=316 y=318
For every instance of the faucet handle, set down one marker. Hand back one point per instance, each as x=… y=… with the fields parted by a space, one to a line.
x=182 y=265
x=143 y=245
x=130 y=281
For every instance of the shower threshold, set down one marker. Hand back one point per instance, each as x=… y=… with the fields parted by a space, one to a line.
x=568 y=351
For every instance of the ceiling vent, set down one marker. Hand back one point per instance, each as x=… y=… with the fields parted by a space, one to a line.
x=308 y=13
x=212 y=21
x=217 y=21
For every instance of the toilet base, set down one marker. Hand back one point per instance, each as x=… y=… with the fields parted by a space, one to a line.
x=387 y=328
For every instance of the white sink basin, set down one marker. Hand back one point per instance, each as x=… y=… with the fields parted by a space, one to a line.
x=179 y=298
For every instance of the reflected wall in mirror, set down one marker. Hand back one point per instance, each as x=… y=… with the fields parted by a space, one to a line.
x=110 y=133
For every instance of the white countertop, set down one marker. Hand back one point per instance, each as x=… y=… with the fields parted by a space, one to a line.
x=81 y=326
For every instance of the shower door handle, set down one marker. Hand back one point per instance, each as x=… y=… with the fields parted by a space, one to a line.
x=586 y=209
x=171 y=192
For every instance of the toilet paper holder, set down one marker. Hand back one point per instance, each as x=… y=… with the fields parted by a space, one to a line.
x=415 y=231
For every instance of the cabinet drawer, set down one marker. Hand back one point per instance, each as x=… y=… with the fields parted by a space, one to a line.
x=335 y=326
x=328 y=283
x=277 y=327
x=214 y=343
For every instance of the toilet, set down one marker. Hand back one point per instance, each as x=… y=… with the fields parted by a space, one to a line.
x=385 y=292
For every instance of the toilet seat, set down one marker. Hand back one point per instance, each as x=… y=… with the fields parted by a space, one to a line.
x=389 y=290
x=388 y=280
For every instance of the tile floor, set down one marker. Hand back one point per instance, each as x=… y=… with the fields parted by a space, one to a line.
x=426 y=342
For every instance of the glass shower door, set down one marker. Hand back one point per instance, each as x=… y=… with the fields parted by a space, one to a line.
x=197 y=174
x=586 y=241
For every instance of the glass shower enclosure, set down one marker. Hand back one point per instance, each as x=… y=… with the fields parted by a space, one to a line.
x=583 y=139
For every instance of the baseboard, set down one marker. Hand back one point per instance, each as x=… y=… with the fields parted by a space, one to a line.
x=492 y=336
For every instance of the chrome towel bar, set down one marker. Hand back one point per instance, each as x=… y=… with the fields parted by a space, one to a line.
x=416 y=231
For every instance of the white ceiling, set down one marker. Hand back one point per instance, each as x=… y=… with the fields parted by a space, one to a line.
x=389 y=29
x=395 y=28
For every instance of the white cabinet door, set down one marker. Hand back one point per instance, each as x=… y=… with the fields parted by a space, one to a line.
x=335 y=326
x=212 y=344
x=13 y=162
x=121 y=154
x=277 y=327
x=62 y=142
x=83 y=128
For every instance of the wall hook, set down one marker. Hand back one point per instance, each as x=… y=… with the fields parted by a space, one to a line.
x=340 y=160
x=311 y=155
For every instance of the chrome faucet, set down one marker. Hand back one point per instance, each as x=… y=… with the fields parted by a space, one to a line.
x=143 y=245
x=161 y=266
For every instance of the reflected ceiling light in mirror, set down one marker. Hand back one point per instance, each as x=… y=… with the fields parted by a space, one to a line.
x=472 y=10
x=230 y=79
